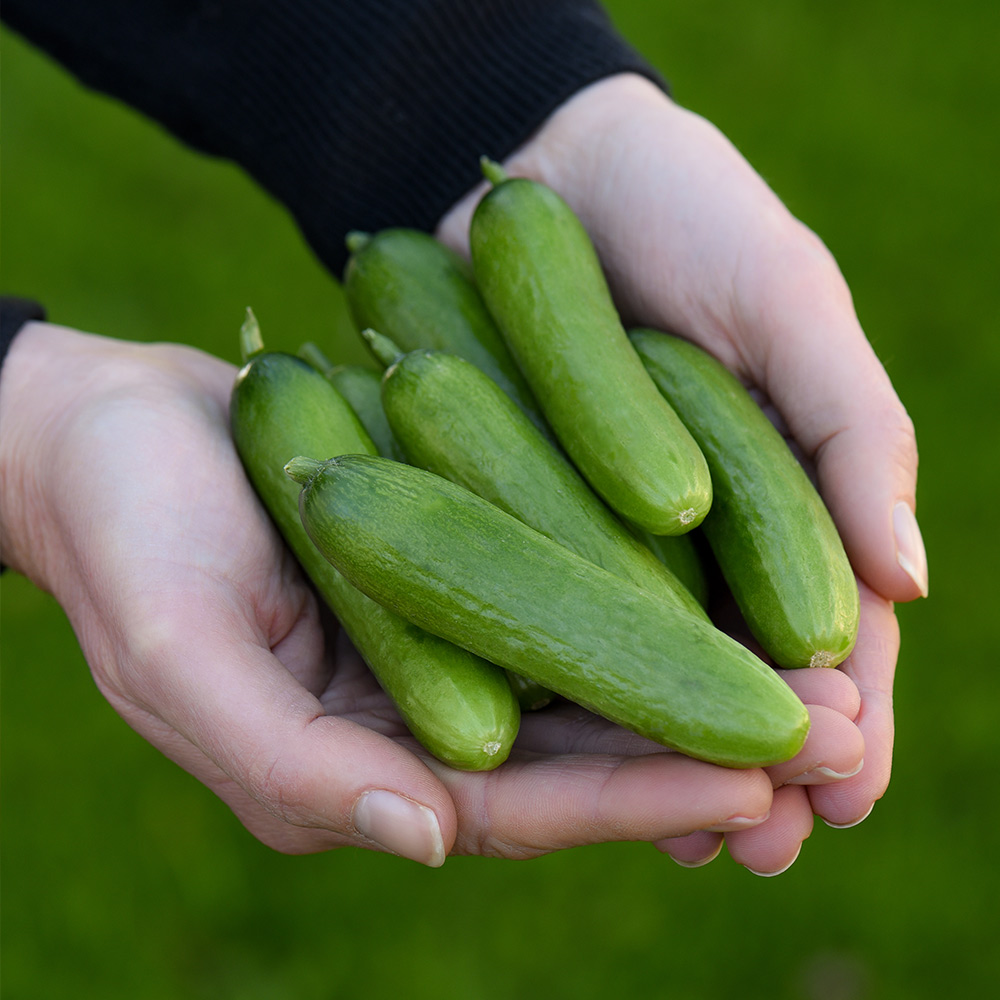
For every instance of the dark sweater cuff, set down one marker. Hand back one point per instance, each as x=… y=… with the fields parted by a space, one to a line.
x=354 y=115
x=14 y=313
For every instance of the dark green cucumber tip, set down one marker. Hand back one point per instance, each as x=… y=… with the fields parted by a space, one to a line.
x=356 y=240
x=251 y=341
x=492 y=170
x=302 y=469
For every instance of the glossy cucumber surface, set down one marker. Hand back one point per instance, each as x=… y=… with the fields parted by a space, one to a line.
x=460 y=567
x=411 y=288
x=540 y=277
x=453 y=420
x=769 y=530
x=457 y=705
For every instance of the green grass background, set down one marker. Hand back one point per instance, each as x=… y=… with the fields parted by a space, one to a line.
x=122 y=877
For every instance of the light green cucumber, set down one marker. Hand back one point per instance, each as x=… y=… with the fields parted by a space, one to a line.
x=453 y=420
x=771 y=534
x=458 y=566
x=540 y=277
x=457 y=705
x=413 y=289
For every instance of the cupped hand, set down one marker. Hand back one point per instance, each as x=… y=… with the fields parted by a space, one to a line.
x=695 y=242
x=123 y=497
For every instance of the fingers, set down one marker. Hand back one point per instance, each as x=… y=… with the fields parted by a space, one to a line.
x=768 y=848
x=536 y=804
x=834 y=750
x=801 y=341
x=872 y=667
x=228 y=711
x=772 y=847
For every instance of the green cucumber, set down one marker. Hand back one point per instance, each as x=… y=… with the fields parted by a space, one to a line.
x=681 y=556
x=540 y=277
x=412 y=288
x=453 y=420
x=458 y=566
x=771 y=534
x=361 y=387
x=458 y=706
x=365 y=396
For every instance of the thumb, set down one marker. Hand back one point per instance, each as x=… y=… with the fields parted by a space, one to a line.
x=229 y=712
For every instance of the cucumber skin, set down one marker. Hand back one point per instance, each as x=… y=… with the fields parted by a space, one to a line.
x=453 y=420
x=362 y=388
x=540 y=277
x=454 y=703
x=460 y=567
x=770 y=532
x=410 y=287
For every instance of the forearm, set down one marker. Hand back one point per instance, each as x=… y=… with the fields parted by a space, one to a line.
x=352 y=115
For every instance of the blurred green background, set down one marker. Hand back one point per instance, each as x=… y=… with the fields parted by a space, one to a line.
x=122 y=877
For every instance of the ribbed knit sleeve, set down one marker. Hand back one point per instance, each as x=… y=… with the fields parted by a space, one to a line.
x=354 y=115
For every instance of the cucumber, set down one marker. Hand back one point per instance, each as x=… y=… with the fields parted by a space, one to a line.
x=458 y=706
x=540 y=277
x=681 y=556
x=458 y=566
x=453 y=420
x=365 y=396
x=361 y=387
x=418 y=292
x=771 y=534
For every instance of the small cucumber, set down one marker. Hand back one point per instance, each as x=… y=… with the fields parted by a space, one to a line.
x=770 y=532
x=413 y=289
x=458 y=706
x=453 y=420
x=361 y=387
x=540 y=277
x=681 y=556
x=458 y=566
x=365 y=396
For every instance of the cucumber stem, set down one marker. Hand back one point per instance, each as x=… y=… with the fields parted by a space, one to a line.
x=356 y=240
x=302 y=469
x=386 y=352
x=314 y=355
x=492 y=170
x=251 y=342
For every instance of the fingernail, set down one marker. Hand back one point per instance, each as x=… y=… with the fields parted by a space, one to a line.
x=847 y=826
x=807 y=777
x=698 y=864
x=401 y=826
x=735 y=823
x=780 y=870
x=910 y=552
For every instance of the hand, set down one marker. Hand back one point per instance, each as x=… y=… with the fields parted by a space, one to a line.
x=123 y=496
x=694 y=242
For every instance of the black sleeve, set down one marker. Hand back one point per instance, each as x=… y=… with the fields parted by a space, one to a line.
x=354 y=115
x=14 y=313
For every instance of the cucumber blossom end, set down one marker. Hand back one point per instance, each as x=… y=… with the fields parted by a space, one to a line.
x=492 y=171
x=356 y=240
x=251 y=341
x=303 y=470
x=386 y=351
x=314 y=355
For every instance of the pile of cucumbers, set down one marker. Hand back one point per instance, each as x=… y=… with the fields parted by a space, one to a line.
x=504 y=516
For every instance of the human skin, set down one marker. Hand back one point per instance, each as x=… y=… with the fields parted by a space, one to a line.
x=122 y=495
x=695 y=242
